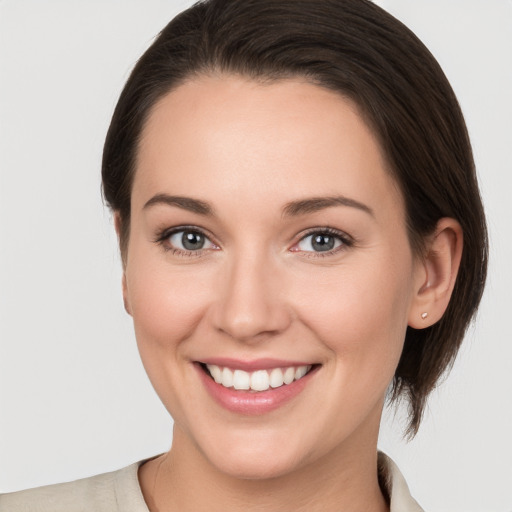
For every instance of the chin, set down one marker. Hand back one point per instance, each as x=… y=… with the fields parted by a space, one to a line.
x=264 y=467
x=256 y=458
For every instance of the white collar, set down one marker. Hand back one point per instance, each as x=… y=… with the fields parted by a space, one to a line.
x=396 y=486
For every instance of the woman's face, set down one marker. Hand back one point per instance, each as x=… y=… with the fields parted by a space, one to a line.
x=267 y=239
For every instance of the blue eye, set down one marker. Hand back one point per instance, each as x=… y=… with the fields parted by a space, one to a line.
x=321 y=241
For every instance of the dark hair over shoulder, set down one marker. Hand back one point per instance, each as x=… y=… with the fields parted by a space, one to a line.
x=357 y=49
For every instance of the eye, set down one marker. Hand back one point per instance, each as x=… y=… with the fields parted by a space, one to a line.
x=188 y=240
x=185 y=241
x=324 y=241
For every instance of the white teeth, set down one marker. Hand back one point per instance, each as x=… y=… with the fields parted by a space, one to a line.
x=216 y=373
x=227 y=378
x=259 y=380
x=276 y=378
x=241 y=379
x=289 y=375
x=300 y=372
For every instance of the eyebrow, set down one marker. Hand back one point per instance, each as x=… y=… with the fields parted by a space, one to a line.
x=186 y=203
x=315 y=204
x=292 y=209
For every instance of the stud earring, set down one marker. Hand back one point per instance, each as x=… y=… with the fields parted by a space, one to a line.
x=424 y=315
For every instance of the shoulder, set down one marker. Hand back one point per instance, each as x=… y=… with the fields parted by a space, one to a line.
x=108 y=492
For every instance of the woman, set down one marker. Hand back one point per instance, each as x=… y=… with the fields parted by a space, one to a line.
x=300 y=226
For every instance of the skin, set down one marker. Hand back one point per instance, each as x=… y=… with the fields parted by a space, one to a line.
x=258 y=290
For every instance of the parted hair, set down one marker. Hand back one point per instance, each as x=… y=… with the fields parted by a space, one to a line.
x=357 y=49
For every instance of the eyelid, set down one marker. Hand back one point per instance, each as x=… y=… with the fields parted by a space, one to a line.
x=163 y=236
x=346 y=241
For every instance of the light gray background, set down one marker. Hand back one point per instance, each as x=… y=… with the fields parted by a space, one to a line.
x=74 y=399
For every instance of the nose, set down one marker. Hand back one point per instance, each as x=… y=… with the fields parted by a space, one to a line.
x=251 y=305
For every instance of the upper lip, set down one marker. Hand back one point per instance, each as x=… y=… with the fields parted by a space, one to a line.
x=254 y=364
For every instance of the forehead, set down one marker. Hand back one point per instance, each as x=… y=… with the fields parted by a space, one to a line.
x=231 y=135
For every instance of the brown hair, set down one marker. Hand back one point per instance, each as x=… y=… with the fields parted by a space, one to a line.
x=357 y=49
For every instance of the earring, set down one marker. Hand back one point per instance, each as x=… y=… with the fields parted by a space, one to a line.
x=424 y=315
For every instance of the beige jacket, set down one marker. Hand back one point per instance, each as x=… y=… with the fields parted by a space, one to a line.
x=119 y=491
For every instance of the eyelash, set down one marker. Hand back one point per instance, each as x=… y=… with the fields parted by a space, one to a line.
x=346 y=242
x=163 y=236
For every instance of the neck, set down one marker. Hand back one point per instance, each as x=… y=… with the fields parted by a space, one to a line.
x=184 y=480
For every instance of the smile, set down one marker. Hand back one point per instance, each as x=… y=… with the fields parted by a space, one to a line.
x=256 y=387
x=259 y=380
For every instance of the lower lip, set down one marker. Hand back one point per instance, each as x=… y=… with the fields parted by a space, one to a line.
x=253 y=403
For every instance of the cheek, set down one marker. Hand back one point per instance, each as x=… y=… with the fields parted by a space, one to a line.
x=166 y=306
x=360 y=312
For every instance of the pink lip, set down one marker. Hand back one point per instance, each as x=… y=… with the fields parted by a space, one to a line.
x=253 y=403
x=250 y=366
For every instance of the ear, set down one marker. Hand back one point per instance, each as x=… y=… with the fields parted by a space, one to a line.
x=117 y=225
x=437 y=274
